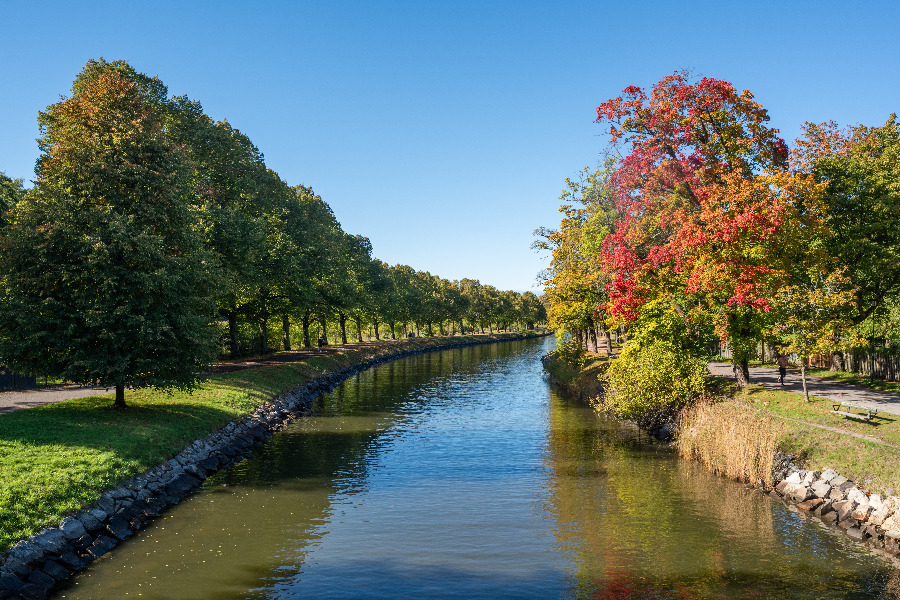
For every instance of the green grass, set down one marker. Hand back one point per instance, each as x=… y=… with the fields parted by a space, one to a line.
x=57 y=459
x=861 y=460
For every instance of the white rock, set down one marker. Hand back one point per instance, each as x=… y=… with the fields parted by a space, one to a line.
x=857 y=496
x=828 y=474
x=811 y=476
x=876 y=500
x=794 y=478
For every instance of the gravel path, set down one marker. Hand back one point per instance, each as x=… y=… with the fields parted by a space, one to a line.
x=831 y=390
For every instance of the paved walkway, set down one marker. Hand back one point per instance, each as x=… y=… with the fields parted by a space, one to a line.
x=19 y=399
x=823 y=388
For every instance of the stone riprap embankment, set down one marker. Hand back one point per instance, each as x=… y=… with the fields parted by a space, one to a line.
x=32 y=567
x=872 y=519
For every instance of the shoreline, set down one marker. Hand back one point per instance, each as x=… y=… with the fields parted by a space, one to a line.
x=871 y=520
x=33 y=566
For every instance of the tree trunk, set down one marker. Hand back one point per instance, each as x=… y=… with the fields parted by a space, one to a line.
x=837 y=361
x=120 y=397
x=375 y=323
x=393 y=331
x=803 y=378
x=461 y=330
x=342 y=318
x=430 y=330
x=233 y=334
x=305 y=322
x=742 y=373
x=441 y=327
x=418 y=333
x=359 y=329
x=263 y=335
x=286 y=326
x=322 y=326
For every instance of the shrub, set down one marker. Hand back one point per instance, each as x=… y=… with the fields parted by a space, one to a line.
x=651 y=380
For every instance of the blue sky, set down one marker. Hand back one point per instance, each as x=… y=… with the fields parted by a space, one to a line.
x=443 y=131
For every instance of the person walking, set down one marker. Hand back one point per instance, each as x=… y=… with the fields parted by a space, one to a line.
x=782 y=361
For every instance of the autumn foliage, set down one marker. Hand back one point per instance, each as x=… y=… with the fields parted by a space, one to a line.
x=715 y=220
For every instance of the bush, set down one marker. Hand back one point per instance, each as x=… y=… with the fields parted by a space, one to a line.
x=652 y=380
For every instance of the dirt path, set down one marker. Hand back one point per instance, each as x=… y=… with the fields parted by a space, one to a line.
x=823 y=388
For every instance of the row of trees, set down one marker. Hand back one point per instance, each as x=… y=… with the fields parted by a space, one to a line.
x=703 y=225
x=151 y=226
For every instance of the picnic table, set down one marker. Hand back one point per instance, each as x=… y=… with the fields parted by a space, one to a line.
x=847 y=408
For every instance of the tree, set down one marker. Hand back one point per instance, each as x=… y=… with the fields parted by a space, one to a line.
x=861 y=168
x=707 y=208
x=104 y=278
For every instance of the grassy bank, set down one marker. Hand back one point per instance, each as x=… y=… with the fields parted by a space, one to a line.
x=57 y=459
x=735 y=431
x=580 y=380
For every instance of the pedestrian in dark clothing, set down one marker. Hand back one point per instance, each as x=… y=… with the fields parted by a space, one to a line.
x=782 y=361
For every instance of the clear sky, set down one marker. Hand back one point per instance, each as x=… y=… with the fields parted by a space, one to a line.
x=443 y=131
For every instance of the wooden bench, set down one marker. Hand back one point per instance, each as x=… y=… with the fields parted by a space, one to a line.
x=865 y=414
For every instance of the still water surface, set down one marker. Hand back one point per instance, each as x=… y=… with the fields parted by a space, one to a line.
x=462 y=474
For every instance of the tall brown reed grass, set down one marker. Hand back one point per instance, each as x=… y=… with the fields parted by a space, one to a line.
x=729 y=439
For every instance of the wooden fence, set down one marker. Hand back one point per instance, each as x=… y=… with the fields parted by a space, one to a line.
x=886 y=361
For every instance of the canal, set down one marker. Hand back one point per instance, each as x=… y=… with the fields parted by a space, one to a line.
x=461 y=473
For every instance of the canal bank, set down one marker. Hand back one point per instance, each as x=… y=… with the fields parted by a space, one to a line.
x=35 y=564
x=726 y=437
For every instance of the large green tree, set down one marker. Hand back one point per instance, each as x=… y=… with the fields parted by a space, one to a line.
x=104 y=278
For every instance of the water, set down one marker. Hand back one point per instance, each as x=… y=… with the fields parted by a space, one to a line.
x=461 y=474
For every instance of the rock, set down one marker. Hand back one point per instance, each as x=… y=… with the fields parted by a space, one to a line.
x=118 y=528
x=794 y=478
x=876 y=501
x=855 y=533
x=83 y=542
x=846 y=486
x=836 y=494
x=892 y=522
x=55 y=570
x=40 y=578
x=120 y=493
x=811 y=504
x=106 y=504
x=837 y=481
x=101 y=546
x=820 y=489
x=878 y=516
x=857 y=495
x=26 y=552
x=72 y=528
x=844 y=509
x=861 y=512
x=894 y=534
x=781 y=487
x=52 y=540
x=811 y=476
x=99 y=515
x=71 y=560
x=10 y=583
x=825 y=508
x=32 y=591
x=828 y=474
x=799 y=493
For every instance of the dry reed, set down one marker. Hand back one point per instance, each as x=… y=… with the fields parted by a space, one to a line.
x=729 y=439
